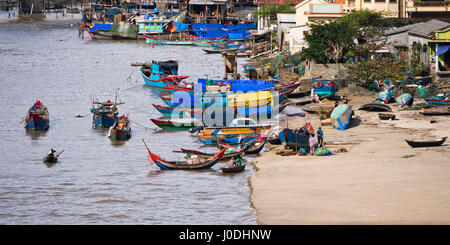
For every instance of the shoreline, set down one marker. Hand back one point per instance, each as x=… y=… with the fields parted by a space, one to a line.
x=379 y=180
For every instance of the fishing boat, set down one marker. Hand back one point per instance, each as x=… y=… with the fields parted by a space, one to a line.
x=213 y=100
x=159 y=74
x=229 y=152
x=212 y=51
x=37 y=117
x=112 y=31
x=104 y=114
x=386 y=116
x=438 y=100
x=326 y=88
x=171 y=40
x=175 y=125
x=170 y=111
x=431 y=143
x=238 y=126
x=255 y=146
x=340 y=117
x=319 y=107
x=436 y=111
x=235 y=168
x=195 y=163
x=293 y=138
x=375 y=107
x=230 y=139
x=208 y=42
x=121 y=129
x=52 y=158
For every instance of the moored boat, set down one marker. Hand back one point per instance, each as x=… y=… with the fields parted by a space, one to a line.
x=175 y=125
x=105 y=114
x=37 y=117
x=160 y=74
x=121 y=129
x=196 y=163
x=235 y=168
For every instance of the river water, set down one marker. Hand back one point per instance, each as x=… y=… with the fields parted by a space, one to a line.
x=96 y=181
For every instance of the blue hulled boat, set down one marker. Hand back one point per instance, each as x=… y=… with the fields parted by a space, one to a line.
x=340 y=117
x=105 y=114
x=159 y=74
x=37 y=117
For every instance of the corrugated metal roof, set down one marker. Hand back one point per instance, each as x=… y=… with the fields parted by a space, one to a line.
x=420 y=29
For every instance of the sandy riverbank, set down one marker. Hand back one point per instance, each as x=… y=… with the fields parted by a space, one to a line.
x=380 y=180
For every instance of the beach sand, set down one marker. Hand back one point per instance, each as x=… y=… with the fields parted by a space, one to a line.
x=379 y=180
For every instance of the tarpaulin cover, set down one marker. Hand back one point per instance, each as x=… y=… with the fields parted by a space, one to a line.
x=235 y=35
x=220 y=27
x=238 y=85
x=250 y=85
x=103 y=27
x=442 y=49
x=241 y=27
x=404 y=100
x=126 y=30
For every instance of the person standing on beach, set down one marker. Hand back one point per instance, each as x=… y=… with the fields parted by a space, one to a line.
x=312 y=144
x=320 y=137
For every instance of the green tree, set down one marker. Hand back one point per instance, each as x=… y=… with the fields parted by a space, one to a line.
x=328 y=40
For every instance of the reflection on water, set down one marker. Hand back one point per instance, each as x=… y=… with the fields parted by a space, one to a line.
x=97 y=181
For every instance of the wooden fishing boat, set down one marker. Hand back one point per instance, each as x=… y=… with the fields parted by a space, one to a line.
x=340 y=117
x=170 y=111
x=294 y=138
x=274 y=140
x=175 y=125
x=213 y=51
x=235 y=169
x=228 y=139
x=319 y=107
x=239 y=126
x=51 y=158
x=121 y=129
x=169 y=40
x=229 y=152
x=436 y=111
x=208 y=42
x=438 y=100
x=37 y=117
x=104 y=114
x=432 y=143
x=254 y=146
x=202 y=163
x=160 y=74
x=386 y=116
x=375 y=107
x=213 y=100
x=326 y=88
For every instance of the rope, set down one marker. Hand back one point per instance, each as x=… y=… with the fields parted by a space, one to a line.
x=146 y=128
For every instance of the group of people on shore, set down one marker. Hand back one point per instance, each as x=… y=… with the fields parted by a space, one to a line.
x=313 y=143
